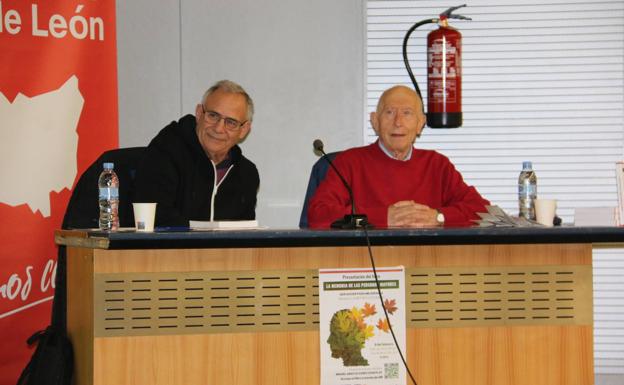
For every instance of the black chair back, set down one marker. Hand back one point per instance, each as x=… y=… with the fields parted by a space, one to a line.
x=83 y=210
x=319 y=170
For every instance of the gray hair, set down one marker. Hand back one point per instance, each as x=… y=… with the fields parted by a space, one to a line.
x=233 y=88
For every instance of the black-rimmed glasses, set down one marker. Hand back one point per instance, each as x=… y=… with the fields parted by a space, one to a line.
x=213 y=118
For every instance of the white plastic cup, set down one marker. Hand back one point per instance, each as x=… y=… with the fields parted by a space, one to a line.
x=545 y=210
x=144 y=215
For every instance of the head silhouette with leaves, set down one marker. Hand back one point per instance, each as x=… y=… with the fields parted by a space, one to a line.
x=348 y=333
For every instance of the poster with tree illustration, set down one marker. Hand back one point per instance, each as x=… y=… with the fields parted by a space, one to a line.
x=356 y=343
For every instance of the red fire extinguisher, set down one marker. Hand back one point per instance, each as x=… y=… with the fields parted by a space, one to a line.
x=444 y=48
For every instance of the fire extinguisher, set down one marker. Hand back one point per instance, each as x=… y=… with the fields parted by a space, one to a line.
x=444 y=70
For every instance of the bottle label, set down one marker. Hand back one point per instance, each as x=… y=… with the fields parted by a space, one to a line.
x=527 y=190
x=109 y=193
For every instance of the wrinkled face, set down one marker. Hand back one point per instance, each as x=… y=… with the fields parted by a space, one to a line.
x=216 y=138
x=399 y=119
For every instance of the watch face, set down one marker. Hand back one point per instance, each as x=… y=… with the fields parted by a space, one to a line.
x=440 y=218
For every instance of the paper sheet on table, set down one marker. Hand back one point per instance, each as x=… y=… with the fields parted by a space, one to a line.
x=497 y=217
x=224 y=225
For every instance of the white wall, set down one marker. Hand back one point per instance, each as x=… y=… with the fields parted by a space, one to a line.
x=148 y=69
x=301 y=61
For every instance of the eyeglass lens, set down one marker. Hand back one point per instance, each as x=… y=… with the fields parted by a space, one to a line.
x=213 y=117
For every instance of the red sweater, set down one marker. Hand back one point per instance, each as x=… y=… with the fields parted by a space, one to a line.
x=378 y=181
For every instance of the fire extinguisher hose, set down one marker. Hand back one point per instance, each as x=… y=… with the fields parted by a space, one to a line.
x=405 y=60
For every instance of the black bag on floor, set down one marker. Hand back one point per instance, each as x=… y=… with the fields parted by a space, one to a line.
x=52 y=363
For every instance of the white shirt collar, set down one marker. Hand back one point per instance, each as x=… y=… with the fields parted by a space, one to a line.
x=385 y=150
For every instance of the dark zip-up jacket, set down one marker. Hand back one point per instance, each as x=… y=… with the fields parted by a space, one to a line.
x=178 y=175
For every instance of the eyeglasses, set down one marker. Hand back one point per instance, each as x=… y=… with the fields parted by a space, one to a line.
x=213 y=118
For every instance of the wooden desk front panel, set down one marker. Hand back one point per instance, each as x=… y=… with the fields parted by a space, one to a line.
x=536 y=354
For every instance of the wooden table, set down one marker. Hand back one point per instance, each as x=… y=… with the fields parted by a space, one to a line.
x=484 y=306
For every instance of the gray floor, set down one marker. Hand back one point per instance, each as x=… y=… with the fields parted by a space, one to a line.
x=609 y=379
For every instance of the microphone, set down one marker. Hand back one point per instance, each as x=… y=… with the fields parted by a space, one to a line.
x=350 y=221
x=318 y=146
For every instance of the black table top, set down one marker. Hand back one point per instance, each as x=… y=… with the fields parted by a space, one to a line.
x=185 y=239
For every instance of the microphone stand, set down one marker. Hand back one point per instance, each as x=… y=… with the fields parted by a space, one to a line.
x=349 y=221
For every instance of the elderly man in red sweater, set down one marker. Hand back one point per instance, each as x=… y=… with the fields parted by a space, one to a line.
x=395 y=184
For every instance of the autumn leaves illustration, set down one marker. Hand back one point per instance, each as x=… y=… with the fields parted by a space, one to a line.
x=349 y=330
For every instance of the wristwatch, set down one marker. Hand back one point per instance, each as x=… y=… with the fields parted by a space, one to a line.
x=440 y=218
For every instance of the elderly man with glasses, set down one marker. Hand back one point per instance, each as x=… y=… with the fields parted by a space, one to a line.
x=194 y=168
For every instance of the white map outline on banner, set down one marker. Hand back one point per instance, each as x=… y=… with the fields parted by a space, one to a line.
x=38 y=145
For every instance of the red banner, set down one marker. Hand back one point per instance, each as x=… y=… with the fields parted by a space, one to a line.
x=58 y=113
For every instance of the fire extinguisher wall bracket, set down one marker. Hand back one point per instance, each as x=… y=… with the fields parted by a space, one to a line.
x=443 y=71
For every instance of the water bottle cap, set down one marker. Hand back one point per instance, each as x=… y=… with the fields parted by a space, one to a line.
x=109 y=166
x=526 y=165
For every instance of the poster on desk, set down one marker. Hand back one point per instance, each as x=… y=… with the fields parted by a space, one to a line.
x=58 y=113
x=356 y=343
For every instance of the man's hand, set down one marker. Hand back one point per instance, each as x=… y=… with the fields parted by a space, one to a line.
x=411 y=214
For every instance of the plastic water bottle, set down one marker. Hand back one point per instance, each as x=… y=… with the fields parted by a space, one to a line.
x=527 y=191
x=108 y=186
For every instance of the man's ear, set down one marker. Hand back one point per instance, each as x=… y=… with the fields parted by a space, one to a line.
x=198 y=111
x=422 y=120
x=374 y=121
x=245 y=129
